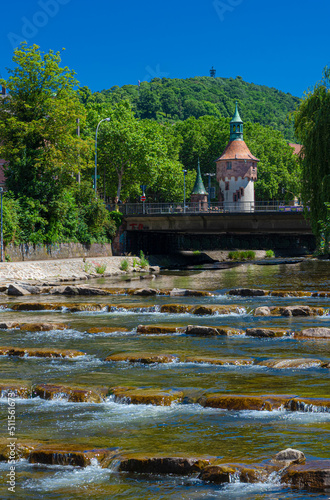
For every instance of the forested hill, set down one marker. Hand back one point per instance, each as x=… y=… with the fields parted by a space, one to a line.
x=174 y=99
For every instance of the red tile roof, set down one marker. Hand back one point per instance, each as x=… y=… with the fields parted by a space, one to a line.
x=237 y=150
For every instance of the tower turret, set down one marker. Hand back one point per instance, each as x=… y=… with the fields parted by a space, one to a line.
x=236 y=126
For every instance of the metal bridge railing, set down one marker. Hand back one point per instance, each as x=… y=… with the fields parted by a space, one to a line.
x=128 y=209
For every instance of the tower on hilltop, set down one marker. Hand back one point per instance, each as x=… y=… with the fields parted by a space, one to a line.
x=237 y=170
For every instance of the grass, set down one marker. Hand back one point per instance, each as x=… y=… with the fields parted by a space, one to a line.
x=87 y=267
x=196 y=252
x=242 y=255
x=135 y=262
x=270 y=254
x=124 y=265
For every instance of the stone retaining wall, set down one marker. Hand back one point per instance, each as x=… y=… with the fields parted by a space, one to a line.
x=24 y=252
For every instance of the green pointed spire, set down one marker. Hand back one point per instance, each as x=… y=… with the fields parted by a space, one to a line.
x=199 y=184
x=236 y=126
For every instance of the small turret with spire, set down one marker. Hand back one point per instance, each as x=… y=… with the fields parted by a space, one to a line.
x=236 y=126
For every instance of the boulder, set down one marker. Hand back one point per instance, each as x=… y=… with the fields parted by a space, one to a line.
x=248 y=292
x=157 y=329
x=17 y=290
x=135 y=395
x=182 y=466
x=145 y=292
x=319 y=332
x=143 y=358
x=22 y=450
x=290 y=363
x=266 y=332
x=71 y=394
x=313 y=476
x=289 y=456
x=65 y=290
x=262 y=311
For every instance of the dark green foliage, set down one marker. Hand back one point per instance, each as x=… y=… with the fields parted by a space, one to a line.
x=176 y=99
x=242 y=255
x=117 y=217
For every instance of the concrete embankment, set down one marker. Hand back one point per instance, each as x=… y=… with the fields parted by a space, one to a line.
x=63 y=270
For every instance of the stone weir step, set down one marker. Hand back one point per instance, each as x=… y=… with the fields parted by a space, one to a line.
x=256 y=292
x=164 y=397
x=289 y=465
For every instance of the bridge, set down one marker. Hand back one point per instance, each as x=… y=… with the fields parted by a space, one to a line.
x=168 y=228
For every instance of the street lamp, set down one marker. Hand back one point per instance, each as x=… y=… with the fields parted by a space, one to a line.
x=1 y=192
x=184 y=190
x=209 y=189
x=95 y=171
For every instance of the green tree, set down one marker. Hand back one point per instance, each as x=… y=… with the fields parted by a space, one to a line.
x=312 y=127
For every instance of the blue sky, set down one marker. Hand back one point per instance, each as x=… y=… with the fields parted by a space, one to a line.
x=278 y=43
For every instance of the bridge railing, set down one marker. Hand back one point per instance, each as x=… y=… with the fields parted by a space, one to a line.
x=199 y=208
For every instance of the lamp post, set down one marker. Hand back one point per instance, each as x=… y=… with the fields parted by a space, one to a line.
x=209 y=189
x=184 y=191
x=95 y=171
x=1 y=192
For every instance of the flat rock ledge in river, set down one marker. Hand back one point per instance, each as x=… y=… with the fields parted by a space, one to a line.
x=311 y=476
x=158 y=329
x=209 y=331
x=316 y=333
x=220 y=361
x=70 y=394
x=74 y=456
x=291 y=363
x=157 y=397
x=40 y=352
x=267 y=332
x=145 y=464
x=297 y=310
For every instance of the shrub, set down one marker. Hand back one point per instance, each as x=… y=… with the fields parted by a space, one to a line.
x=124 y=265
x=117 y=218
x=270 y=254
x=242 y=255
x=135 y=262
x=100 y=268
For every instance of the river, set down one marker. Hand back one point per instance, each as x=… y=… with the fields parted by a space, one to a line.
x=184 y=428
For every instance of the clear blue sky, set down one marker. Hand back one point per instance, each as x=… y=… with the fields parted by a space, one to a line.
x=278 y=43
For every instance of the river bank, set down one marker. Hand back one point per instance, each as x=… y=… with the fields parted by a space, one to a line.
x=80 y=269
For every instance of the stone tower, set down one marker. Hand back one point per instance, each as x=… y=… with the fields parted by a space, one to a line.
x=237 y=170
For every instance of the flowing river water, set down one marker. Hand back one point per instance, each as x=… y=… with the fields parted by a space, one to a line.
x=180 y=429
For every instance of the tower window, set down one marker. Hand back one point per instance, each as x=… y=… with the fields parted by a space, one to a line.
x=234 y=128
x=234 y=197
x=228 y=165
x=242 y=191
x=227 y=186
